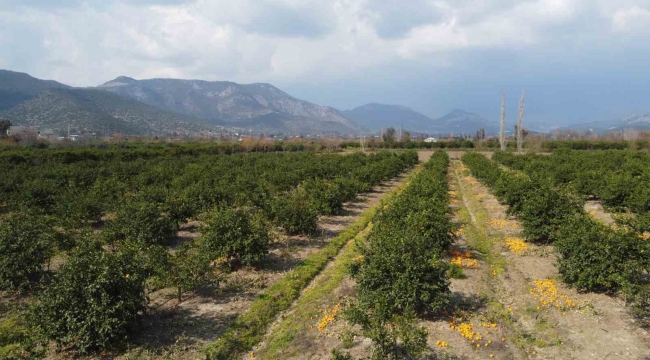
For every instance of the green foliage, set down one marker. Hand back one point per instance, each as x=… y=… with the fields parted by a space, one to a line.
x=138 y=221
x=190 y=269
x=340 y=355
x=249 y=328
x=401 y=274
x=295 y=212
x=327 y=196
x=640 y=304
x=396 y=337
x=543 y=210
x=593 y=256
x=456 y=272
x=598 y=258
x=17 y=340
x=94 y=299
x=26 y=243
x=235 y=234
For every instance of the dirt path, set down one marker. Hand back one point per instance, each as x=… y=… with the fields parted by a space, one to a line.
x=547 y=319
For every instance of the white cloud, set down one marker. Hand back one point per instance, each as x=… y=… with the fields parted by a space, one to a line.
x=631 y=19
x=301 y=41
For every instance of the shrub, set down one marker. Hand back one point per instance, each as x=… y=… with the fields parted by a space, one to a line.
x=26 y=243
x=190 y=269
x=140 y=222
x=93 y=300
x=595 y=257
x=327 y=196
x=235 y=234
x=544 y=209
x=396 y=337
x=295 y=212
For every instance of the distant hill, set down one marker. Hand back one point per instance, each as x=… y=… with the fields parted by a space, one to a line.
x=377 y=116
x=637 y=122
x=17 y=87
x=259 y=106
x=88 y=111
x=460 y=121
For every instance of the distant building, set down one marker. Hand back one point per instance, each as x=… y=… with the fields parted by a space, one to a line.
x=430 y=140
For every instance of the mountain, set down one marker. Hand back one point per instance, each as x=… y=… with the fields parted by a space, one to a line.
x=637 y=122
x=376 y=116
x=259 y=106
x=460 y=121
x=89 y=110
x=17 y=87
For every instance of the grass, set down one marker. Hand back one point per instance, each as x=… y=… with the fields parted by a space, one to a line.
x=306 y=309
x=456 y=272
x=477 y=232
x=250 y=327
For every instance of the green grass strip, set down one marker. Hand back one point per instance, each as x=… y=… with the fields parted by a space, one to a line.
x=250 y=327
x=309 y=303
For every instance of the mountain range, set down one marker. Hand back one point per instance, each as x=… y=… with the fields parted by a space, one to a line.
x=180 y=107
x=376 y=116
x=226 y=103
x=638 y=122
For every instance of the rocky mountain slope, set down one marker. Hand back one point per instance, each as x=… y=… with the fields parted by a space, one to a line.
x=260 y=106
x=97 y=111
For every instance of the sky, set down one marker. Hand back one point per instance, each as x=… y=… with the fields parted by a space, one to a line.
x=577 y=60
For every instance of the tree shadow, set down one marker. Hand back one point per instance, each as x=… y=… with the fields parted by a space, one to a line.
x=158 y=332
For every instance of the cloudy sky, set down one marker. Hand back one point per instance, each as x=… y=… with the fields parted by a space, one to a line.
x=578 y=60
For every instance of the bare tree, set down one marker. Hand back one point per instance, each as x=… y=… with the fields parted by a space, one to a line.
x=520 y=121
x=502 y=134
x=480 y=134
x=389 y=135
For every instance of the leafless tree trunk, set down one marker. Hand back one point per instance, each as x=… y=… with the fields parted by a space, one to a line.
x=502 y=134
x=520 y=121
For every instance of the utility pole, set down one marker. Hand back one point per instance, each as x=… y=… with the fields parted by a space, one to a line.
x=520 y=122
x=502 y=134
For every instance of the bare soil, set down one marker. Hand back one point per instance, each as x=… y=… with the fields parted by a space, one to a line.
x=598 y=327
x=595 y=209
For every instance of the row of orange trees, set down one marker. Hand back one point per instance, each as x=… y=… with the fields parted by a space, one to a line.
x=112 y=221
x=400 y=272
x=594 y=256
x=620 y=179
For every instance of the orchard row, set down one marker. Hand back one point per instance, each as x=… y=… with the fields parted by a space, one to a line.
x=111 y=220
x=593 y=256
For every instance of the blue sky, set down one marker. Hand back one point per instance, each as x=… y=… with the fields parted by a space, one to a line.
x=577 y=60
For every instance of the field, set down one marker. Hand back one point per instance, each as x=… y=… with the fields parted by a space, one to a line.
x=190 y=251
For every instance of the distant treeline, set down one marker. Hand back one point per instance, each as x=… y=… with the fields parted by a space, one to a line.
x=442 y=144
